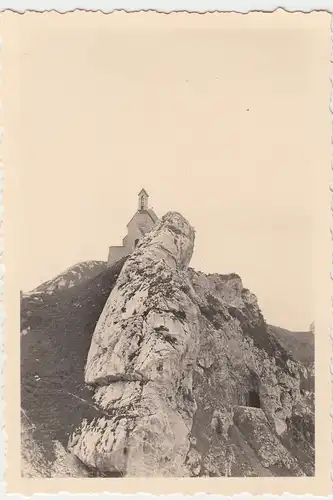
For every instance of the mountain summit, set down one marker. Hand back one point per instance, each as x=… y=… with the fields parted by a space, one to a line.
x=153 y=369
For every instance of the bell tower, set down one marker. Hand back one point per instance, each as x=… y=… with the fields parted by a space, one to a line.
x=143 y=200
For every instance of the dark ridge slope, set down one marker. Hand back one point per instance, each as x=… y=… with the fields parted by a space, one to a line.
x=72 y=277
x=54 y=351
x=299 y=344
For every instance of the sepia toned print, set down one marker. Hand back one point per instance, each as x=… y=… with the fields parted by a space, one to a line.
x=172 y=308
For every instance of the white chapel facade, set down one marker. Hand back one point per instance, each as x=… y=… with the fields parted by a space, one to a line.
x=141 y=222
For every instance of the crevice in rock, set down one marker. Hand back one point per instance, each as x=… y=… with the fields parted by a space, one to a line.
x=121 y=377
x=253 y=399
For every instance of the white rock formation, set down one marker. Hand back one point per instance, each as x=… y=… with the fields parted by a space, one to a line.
x=141 y=360
x=188 y=378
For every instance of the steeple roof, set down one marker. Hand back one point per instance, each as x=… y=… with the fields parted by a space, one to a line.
x=143 y=191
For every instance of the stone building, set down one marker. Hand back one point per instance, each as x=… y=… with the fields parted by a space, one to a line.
x=141 y=222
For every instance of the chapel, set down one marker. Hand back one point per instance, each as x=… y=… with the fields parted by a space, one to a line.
x=141 y=222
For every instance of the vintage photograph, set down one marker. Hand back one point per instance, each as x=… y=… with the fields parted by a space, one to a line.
x=171 y=175
x=142 y=365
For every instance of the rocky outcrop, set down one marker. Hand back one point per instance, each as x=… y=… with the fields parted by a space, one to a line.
x=242 y=369
x=188 y=378
x=141 y=361
x=37 y=463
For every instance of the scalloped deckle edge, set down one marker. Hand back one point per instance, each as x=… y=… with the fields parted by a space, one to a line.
x=106 y=495
x=197 y=7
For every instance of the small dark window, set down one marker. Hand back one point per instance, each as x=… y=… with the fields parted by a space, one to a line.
x=142 y=203
x=136 y=242
x=254 y=399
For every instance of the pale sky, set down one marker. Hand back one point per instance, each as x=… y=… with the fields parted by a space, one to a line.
x=215 y=121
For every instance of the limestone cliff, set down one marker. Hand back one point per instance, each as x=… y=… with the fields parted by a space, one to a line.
x=187 y=378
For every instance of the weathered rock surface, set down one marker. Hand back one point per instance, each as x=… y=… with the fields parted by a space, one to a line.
x=241 y=364
x=35 y=462
x=189 y=378
x=141 y=361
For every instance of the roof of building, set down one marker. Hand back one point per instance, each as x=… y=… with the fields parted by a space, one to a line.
x=149 y=211
x=143 y=191
x=152 y=214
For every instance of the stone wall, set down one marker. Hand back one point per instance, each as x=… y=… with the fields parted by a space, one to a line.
x=117 y=253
